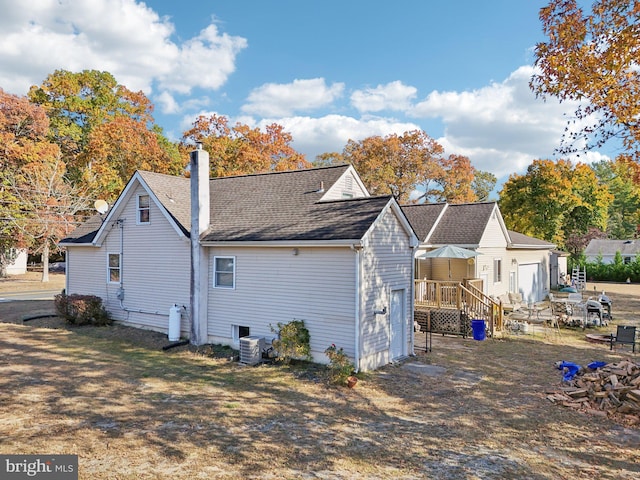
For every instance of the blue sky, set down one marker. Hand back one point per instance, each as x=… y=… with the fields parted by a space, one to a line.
x=328 y=71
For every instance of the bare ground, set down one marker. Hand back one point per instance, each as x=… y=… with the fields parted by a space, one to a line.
x=467 y=410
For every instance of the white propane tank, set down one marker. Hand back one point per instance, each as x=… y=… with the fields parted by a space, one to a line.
x=174 y=323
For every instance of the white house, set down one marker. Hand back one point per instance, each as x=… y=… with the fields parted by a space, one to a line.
x=600 y=249
x=17 y=264
x=507 y=262
x=241 y=254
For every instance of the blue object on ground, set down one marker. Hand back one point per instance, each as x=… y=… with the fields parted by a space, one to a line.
x=572 y=370
x=478 y=328
x=569 y=290
x=596 y=365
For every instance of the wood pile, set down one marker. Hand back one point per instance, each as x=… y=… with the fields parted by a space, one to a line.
x=609 y=391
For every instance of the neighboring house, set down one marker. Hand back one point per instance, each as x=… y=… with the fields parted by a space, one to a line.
x=249 y=252
x=17 y=262
x=507 y=262
x=605 y=250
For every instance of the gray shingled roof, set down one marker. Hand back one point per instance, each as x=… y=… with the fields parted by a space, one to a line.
x=85 y=232
x=520 y=239
x=276 y=206
x=462 y=224
x=285 y=206
x=602 y=246
x=422 y=217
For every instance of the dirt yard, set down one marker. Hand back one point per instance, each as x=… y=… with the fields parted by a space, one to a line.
x=467 y=410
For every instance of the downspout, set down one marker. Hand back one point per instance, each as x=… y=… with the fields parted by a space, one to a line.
x=412 y=286
x=357 y=249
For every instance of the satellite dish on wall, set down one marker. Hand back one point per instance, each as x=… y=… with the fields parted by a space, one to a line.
x=101 y=206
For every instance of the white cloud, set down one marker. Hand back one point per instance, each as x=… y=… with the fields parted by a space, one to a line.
x=392 y=96
x=123 y=37
x=502 y=127
x=275 y=100
x=167 y=103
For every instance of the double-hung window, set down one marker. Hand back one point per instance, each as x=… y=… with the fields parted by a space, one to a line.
x=143 y=209
x=224 y=272
x=497 y=270
x=113 y=268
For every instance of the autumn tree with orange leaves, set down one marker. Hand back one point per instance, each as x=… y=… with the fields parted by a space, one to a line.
x=116 y=149
x=411 y=167
x=240 y=149
x=37 y=203
x=592 y=58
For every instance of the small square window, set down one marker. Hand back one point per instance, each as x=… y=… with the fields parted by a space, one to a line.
x=224 y=272
x=143 y=209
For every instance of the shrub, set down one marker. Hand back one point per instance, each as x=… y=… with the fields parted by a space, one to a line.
x=293 y=342
x=82 y=309
x=340 y=365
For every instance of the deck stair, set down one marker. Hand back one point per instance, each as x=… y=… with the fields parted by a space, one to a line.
x=448 y=307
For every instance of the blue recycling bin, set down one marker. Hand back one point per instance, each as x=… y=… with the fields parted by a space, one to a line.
x=478 y=327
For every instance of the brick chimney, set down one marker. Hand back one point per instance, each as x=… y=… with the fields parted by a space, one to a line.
x=199 y=165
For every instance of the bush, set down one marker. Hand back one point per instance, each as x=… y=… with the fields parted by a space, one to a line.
x=340 y=365
x=293 y=342
x=82 y=309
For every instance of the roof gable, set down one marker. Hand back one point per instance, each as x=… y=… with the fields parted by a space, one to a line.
x=423 y=217
x=462 y=224
x=287 y=206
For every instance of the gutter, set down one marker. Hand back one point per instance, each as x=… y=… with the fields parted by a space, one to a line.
x=281 y=243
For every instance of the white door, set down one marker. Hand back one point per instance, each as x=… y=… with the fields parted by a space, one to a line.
x=396 y=321
x=530 y=282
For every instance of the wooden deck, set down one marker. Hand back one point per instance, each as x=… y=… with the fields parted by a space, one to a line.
x=449 y=307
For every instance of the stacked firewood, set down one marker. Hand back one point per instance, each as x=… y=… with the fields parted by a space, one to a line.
x=612 y=390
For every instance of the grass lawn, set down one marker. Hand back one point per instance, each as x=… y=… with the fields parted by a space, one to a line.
x=467 y=410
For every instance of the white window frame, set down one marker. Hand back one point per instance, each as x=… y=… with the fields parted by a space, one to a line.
x=235 y=332
x=215 y=271
x=497 y=270
x=140 y=210
x=109 y=268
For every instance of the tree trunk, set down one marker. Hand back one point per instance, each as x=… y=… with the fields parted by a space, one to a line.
x=45 y=261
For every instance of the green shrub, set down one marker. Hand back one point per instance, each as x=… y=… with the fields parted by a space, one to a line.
x=293 y=342
x=340 y=365
x=82 y=309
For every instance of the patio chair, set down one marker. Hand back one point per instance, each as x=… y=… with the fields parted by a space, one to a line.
x=625 y=334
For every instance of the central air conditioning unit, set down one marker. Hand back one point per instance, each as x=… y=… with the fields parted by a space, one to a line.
x=251 y=348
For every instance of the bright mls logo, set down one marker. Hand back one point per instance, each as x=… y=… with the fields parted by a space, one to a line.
x=50 y=467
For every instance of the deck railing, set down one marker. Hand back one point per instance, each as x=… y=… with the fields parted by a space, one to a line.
x=467 y=297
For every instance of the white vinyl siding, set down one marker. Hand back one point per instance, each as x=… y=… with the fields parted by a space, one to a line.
x=86 y=271
x=275 y=285
x=345 y=187
x=155 y=269
x=386 y=265
x=493 y=244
